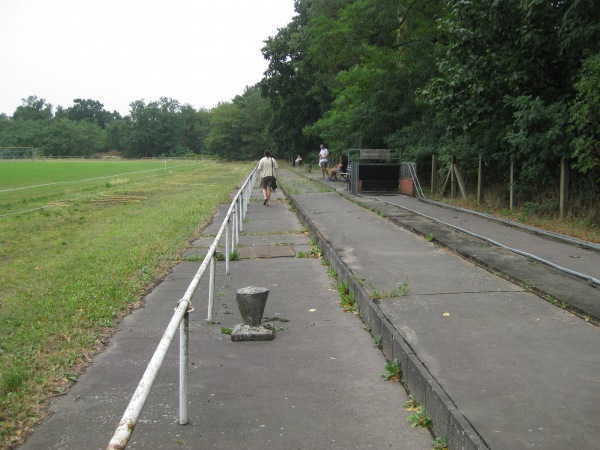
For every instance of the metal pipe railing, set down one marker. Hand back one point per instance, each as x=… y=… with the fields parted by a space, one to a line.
x=237 y=212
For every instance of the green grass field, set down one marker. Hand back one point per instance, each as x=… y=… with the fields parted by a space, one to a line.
x=27 y=184
x=80 y=244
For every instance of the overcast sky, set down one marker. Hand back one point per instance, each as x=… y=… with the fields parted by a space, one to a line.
x=199 y=52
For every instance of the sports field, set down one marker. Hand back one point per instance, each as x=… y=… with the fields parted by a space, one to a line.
x=80 y=243
x=35 y=183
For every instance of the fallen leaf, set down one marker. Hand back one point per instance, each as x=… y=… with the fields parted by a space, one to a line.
x=446 y=314
x=312 y=310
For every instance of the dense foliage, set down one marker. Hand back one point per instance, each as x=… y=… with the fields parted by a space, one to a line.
x=497 y=79
x=164 y=128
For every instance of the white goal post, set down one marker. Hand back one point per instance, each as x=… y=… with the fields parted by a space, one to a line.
x=20 y=153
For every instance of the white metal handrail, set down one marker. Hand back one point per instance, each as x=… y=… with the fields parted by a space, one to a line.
x=236 y=213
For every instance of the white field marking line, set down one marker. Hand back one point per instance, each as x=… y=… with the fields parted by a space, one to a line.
x=89 y=179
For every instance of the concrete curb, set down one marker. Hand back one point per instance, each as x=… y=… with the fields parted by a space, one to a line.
x=448 y=420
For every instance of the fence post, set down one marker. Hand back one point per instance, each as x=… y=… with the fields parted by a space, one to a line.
x=453 y=178
x=512 y=183
x=433 y=174
x=564 y=187
x=480 y=180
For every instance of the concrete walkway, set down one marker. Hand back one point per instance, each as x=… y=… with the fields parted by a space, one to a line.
x=521 y=371
x=317 y=385
x=493 y=364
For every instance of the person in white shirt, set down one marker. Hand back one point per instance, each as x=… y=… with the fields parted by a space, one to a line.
x=323 y=161
x=266 y=170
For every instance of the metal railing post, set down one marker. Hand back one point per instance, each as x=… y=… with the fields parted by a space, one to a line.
x=227 y=246
x=236 y=221
x=241 y=210
x=184 y=337
x=180 y=320
x=211 y=290
x=132 y=413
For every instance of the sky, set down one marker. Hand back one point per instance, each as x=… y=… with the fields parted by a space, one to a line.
x=199 y=52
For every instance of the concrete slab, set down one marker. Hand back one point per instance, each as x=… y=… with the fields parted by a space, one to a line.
x=266 y=251
x=507 y=360
x=386 y=255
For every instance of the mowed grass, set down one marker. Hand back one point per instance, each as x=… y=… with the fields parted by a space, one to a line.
x=76 y=265
x=30 y=184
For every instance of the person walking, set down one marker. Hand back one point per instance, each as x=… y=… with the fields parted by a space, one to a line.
x=323 y=161
x=266 y=170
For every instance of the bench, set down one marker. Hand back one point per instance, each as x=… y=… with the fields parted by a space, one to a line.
x=345 y=175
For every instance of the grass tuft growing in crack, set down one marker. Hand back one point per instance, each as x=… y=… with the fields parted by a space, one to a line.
x=401 y=291
x=420 y=419
x=393 y=371
x=346 y=297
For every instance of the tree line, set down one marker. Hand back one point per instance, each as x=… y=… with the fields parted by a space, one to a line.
x=163 y=128
x=498 y=79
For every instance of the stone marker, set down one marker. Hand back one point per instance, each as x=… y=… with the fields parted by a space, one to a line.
x=251 y=302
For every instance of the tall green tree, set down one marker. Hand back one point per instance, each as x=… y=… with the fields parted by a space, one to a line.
x=33 y=108
x=224 y=139
x=580 y=35
x=153 y=129
x=238 y=128
x=585 y=118
x=89 y=110
x=382 y=52
x=195 y=126
x=253 y=115
x=67 y=138
x=506 y=82
x=288 y=84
